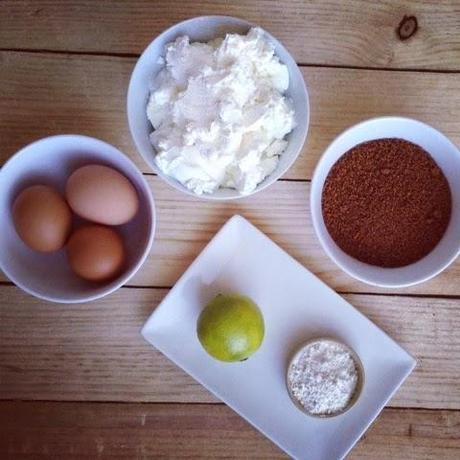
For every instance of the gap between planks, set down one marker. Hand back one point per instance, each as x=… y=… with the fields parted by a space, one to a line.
x=342 y=293
x=186 y=403
x=300 y=64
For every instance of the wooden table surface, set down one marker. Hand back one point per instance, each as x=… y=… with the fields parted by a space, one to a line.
x=79 y=381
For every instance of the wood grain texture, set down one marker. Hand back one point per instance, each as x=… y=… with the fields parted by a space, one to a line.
x=92 y=354
x=331 y=32
x=42 y=430
x=44 y=94
x=94 y=351
x=185 y=225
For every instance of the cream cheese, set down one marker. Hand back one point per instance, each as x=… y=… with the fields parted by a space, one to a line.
x=218 y=112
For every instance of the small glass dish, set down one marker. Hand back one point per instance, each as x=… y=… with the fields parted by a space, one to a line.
x=359 y=386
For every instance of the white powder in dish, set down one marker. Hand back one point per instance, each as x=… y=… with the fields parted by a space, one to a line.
x=323 y=377
x=219 y=112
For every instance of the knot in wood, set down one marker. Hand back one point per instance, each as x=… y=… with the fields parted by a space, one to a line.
x=407 y=27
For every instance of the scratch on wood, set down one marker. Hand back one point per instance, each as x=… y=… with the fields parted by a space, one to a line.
x=99 y=445
x=11 y=368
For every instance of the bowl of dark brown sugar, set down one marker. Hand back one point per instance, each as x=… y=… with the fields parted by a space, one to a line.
x=385 y=201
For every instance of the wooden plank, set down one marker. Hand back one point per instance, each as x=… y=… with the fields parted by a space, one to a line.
x=331 y=32
x=85 y=430
x=44 y=94
x=186 y=224
x=94 y=351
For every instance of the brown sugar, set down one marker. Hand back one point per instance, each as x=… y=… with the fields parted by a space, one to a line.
x=386 y=202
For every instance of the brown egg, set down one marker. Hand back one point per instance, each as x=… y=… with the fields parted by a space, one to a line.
x=96 y=253
x=42 y=218
x=101 y=194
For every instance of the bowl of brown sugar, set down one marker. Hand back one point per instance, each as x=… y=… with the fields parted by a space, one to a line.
x=385 y=201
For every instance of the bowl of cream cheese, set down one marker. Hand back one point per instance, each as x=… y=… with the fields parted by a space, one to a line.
x=217 y=107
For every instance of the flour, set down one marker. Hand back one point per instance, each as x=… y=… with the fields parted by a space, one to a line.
x=323 y=377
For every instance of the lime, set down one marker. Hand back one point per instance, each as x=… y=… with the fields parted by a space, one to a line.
x=231 y=327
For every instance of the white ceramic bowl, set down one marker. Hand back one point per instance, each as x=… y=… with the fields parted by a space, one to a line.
x=50 y=161
x=203 y=29
x=446 y=155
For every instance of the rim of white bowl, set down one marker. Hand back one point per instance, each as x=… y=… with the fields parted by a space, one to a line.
x=234 y=194
x=130 y=273
x=314 y=217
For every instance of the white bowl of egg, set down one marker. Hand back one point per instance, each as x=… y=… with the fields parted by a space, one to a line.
x=78 y=219
x=218 y=107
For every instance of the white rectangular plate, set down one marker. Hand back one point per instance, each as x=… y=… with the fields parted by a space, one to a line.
x=296 y=306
